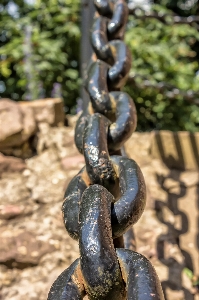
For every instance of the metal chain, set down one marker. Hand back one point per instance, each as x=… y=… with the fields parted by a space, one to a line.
x=108 y=195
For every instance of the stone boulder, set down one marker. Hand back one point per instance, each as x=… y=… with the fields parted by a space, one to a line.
x=49 y=110
x=16 y=124
x=21 y=122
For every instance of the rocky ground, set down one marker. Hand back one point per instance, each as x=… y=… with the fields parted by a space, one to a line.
x=35 y=247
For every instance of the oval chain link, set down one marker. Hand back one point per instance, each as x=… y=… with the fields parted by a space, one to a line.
x=108 y=195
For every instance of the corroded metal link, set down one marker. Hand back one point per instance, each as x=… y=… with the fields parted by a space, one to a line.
x=98 y=164
x=97 y=272
x=125 y=211
x=113 y=52
x=117 y=24
x=125 y=120
x=138 y=274
x=104 y=7
x=72 y=198
x=118 y=12
x=96 y=86
x=99 y=39
x=99 y=263
x=69 y=285
x=142 y=282
x=128 y=209
x=108 y=195
x=80 y=128
x=122 y=111
x=117 y=74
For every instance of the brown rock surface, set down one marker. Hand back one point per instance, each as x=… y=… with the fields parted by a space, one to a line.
x=9 y=164
x=49 y=110
x=35 y=247
x=20 y=122
x=8 y=125
x=11 y=211
x=16 y=124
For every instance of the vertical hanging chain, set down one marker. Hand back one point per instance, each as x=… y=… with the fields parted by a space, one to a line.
x=108 y=195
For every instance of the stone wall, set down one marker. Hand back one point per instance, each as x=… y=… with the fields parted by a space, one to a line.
x=21 y=121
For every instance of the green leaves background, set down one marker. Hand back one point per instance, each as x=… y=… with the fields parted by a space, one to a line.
x=161 y=53
x=55 y=38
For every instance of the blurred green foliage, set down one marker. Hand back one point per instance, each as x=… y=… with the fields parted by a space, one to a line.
x=180 y=7
x=40 y=47
x=54 y=46
x=163 y=53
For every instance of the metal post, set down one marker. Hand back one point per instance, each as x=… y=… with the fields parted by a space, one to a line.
x=87 y=12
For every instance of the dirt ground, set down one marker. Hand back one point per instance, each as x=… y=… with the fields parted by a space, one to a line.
x=35 y=247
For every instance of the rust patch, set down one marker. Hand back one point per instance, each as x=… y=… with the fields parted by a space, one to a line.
x=86 y=178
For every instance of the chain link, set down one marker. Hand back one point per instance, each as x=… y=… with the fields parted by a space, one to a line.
x=108 y=195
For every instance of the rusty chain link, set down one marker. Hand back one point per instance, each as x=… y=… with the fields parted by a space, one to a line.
x=108 y=195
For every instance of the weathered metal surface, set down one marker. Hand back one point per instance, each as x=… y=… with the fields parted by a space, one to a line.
x=139 y=275
x=108 y=195
x=68 y=285
x=99 y=263
x=125 y=211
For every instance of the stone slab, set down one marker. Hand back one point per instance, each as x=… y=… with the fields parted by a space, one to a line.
x=49 y=110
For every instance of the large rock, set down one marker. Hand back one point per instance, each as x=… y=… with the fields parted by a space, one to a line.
x=21 y=120
x=49 y=110
x=16 y=124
